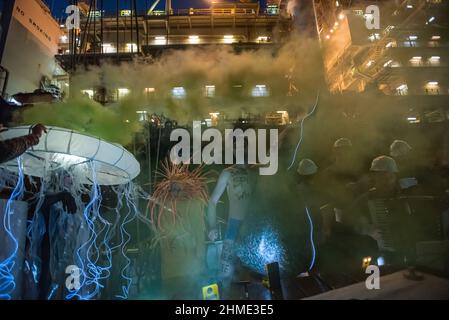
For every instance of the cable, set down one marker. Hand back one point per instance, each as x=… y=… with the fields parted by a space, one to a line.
x=302 y=131
x=52 y=292
x=312 y=263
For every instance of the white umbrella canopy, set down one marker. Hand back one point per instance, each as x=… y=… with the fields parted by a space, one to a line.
x=74 y=151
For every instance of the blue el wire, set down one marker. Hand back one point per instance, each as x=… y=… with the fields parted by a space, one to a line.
x=93 y=274
x=301 y=134
x=123 y=232
x=7 y=281
x=312 y=263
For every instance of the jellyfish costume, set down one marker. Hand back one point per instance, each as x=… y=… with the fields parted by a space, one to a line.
x=81 y=244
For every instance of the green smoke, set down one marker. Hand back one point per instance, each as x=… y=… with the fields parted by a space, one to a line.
x=87 y=116
x=234 y=75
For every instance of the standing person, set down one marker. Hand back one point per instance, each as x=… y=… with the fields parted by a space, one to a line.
x=13 y=148
x=400 y=151
x=384 y=176
x=397 y=231
x=343 y=166
x=311 y=203
x=355 y=235
x=337 y=178
x=236 y=181
x=414 y=178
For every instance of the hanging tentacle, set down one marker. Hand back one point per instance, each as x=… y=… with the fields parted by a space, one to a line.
x=7 y=280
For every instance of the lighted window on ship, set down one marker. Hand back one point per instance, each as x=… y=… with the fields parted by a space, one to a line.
x=179 y=92
x=260 y=90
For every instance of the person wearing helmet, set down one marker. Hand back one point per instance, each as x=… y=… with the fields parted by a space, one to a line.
x=384 y=172
x=344 y=170
x=415 y=178
x=342 y=143
x=307 y=189
x=311 y=204
x=306 y=169
x=343 y=157
x=387 y=195
x=343 y=245
x=400 y=149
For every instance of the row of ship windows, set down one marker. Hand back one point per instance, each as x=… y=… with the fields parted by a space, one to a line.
x=428 y=116
x=260 y=90
x=416 y=61
x=430 y=88
x=163 y=40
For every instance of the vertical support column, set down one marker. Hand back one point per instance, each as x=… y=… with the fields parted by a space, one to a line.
x=73 y=42
x=117 y=29
x=168 y=7
x=136 y=18
x=95 y=32
x=168 y=10
x=132 y=25
x=102 y=26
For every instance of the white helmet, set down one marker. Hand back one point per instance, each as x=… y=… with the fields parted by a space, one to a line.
x=384 y=164
x=399 y=148
x=307 y=167
x=342 y=142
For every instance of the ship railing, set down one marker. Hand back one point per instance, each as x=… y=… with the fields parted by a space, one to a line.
x=217 y=12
